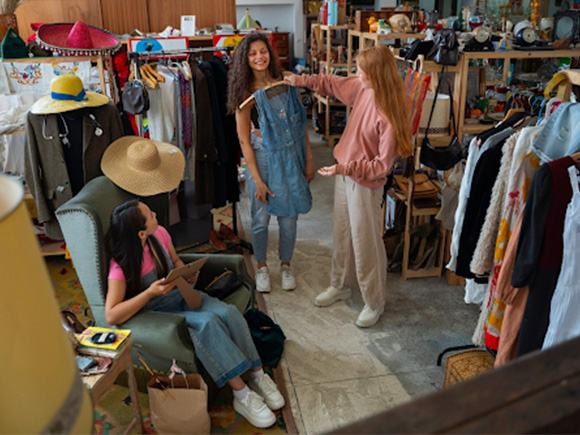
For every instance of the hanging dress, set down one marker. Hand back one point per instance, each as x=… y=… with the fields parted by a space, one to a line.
x=282 y=120
x=564 y=319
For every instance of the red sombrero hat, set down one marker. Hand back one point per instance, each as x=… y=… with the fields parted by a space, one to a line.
x=77 y=39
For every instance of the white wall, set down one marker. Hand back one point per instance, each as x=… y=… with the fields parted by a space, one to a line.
x=284 y=14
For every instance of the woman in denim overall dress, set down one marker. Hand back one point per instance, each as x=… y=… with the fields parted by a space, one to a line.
x=277 y=151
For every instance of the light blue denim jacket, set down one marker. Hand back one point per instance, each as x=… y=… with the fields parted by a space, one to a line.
x=561 y=134
x=282 y=121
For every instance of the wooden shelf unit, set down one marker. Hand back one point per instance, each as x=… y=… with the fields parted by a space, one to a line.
x=507 y=56
x=322 y=40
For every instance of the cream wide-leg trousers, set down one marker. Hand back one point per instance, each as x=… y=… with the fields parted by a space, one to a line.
x=358 y=241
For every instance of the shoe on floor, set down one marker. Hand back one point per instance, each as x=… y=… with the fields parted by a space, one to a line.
x=263 y=280
x=268 y=390
x=369 y=317
x=331 y=295
x=253 y=409
x=288 y=280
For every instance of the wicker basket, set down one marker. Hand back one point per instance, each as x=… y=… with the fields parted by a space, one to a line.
x=464 y=365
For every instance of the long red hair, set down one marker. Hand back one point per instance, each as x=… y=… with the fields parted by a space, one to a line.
x=381 y=71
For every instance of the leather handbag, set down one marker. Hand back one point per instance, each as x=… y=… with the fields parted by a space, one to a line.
x=224 y=285
x=445 y=51
x=443 y=158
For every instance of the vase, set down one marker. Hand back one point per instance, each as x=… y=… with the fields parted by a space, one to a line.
x=7 y=21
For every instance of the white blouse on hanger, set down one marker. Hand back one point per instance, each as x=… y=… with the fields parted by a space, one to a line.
x=564 y=318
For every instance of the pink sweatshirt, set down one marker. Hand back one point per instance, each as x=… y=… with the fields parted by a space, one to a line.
x=366 y=151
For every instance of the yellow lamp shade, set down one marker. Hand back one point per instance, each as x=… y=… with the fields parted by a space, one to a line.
x=41 y=390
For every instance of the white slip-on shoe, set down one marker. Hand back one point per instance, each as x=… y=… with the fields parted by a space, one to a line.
x=331 y=295
x=263 y=280
x=288 y=280
x=253 y=409
x=369 y=317
x=265 y=387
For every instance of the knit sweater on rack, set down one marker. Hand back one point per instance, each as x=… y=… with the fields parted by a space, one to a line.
x=366 y=151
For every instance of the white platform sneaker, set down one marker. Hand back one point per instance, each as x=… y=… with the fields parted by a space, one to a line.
x=331 y=295
x=263 y=280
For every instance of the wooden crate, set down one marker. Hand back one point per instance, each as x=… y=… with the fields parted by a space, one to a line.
x=361 y=17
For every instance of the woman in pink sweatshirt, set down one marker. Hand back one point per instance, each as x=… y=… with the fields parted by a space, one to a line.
x=376 y=134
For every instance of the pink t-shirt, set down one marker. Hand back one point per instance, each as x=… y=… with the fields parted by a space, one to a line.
x=115 y=271
x=366 y=151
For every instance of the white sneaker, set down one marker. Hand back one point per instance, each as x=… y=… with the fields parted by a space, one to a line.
x=263 y=280
x=369 y=317
x=253 y=409
x=331 y=295
x=288 y=280
x=266 y=388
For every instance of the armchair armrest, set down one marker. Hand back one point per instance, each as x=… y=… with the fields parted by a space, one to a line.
x=162 y=334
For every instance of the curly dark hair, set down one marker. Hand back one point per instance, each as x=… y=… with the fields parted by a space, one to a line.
x=240 y=76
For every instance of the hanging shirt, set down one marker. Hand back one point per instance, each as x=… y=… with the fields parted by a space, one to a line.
x=564 y=320
x=283 y=126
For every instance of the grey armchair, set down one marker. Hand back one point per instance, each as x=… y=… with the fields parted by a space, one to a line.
x=161 y=336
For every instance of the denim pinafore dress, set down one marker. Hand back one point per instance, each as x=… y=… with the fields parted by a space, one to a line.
x=282 y=121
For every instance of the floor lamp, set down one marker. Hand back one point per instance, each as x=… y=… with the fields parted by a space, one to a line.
x=40 y=387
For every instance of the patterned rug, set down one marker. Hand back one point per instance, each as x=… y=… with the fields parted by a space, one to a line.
x=114 y=413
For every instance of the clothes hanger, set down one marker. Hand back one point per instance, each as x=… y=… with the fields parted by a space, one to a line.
x=575 y=156
x=251 y=100
x=153 y=73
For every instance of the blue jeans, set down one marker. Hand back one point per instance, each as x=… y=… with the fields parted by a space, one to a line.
x=219 y=334
x=261 y=218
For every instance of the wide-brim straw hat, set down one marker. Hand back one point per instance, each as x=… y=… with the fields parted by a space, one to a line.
x=67 y=93
x=77 y=39
x=142 y=166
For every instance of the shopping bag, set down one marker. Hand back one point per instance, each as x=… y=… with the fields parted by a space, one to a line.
x=181 y=407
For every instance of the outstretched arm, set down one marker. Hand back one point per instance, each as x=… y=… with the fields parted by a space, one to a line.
x=345 y=89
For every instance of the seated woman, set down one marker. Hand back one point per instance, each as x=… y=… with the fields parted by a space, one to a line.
x=142 y=254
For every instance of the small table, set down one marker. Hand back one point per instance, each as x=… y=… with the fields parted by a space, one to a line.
x=100 y=383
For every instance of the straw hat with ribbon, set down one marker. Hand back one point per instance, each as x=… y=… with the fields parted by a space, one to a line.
x=76 y=39
x=67 y=93
x=143 y=167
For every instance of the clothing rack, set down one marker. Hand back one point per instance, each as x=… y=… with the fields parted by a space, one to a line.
x=134 y=56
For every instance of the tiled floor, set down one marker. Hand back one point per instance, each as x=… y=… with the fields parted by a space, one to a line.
x=335 y=372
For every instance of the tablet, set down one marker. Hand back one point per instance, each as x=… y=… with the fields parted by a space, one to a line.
x=186 y=271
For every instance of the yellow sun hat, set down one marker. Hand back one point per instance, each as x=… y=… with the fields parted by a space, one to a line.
x=67 y=93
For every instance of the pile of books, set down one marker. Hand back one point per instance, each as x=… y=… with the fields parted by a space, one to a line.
x=88 y=345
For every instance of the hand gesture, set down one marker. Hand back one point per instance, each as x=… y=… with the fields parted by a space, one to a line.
x=327 y=171
x=160 y=288
x=290 y=79
x=262 y=192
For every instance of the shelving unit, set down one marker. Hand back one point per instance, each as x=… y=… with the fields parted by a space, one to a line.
x=507 y=56
x=368 y=39
x=322 y=43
